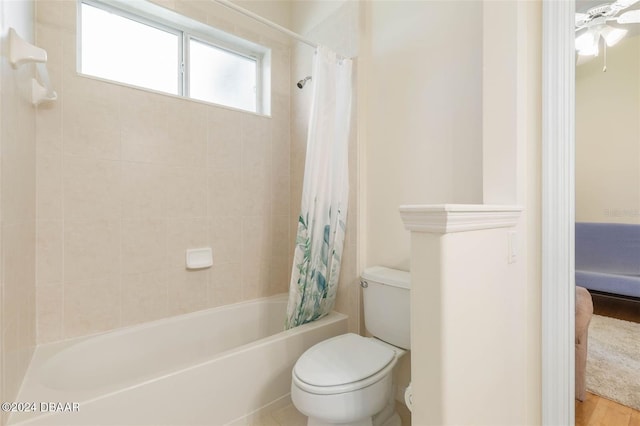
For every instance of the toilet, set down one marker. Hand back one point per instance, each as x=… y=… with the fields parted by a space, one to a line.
x=347 y=380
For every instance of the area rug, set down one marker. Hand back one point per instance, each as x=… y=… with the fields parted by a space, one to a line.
x=613 y=360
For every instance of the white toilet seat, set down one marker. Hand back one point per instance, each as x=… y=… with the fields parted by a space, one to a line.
x=349 y=387
x=345 y=363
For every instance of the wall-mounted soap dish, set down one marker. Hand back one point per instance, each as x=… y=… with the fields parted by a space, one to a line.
x=199 y=258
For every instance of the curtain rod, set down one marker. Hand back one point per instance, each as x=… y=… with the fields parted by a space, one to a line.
x=268 y=23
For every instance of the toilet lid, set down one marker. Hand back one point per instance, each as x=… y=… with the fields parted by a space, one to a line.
x=341 y=360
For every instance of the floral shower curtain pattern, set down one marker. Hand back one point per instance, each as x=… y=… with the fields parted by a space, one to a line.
x=325 y=192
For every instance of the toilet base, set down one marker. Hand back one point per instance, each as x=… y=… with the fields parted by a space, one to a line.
x=387 y=417
x=317 y=422
x=394 y=420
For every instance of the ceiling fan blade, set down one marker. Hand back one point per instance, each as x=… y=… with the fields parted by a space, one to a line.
x=623 y=4
x=580 y=18
x=630 y=17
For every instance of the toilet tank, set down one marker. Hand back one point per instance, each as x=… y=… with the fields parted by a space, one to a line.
x=386 y=300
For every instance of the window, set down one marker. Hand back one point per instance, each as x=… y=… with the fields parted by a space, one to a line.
x=222 y=77
x=158 y=49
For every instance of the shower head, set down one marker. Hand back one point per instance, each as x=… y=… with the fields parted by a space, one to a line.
x=302 y=82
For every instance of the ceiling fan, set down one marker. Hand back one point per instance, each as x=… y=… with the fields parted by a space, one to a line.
x=595 y=22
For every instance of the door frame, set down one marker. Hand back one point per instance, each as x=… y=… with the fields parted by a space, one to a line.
x=558 y=212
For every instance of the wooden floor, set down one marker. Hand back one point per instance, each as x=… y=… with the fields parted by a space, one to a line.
x=596 y=411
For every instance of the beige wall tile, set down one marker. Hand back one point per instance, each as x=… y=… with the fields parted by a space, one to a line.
x=187 y=290
x=49 y=14
x=18 y=172
x=69 y=46
x=279 y=275
x=194 y=9
x=91 y=306
x=255 y=278
x=169 y=4
x=19 y=253
x=49 y=251
x=183 y=234
x=92 y=189
x=145 y=176
x=144 y=297
x=256 y=142
x=224 y=140
x=281 y=146
x=18 y=272
x=247 y=31
x=49 y=130
x=91 y=250
x=281 y=194
x=50 y=39
x=186 y=192
x=144 y=190
x=56 y=14
x=144 y=245
x=144 y=126
x=91 y=118
x=225 y=238
x=50 y=302
x=281 y=83
x=281 y=243
x=49 y=187
x=224 y=195
x=187 y=134
x=256 y=191
x=225 y=284
x=257 y=238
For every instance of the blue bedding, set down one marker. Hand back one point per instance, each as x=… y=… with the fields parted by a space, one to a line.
x=608 y=257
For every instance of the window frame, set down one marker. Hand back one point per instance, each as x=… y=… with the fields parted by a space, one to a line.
x=185 y=30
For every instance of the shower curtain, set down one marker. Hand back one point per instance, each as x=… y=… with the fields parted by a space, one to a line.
x=325 y=192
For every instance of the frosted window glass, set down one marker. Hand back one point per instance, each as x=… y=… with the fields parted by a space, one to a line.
x=222 y=77
x=117 y=48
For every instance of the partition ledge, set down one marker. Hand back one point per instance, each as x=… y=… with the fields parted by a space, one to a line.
x=448 y=218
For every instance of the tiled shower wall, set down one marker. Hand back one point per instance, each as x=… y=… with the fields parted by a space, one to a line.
x=128 y=179
x=17 y=207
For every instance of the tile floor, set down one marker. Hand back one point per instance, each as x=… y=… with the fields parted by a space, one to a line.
x=282 y=416
x=289 y=416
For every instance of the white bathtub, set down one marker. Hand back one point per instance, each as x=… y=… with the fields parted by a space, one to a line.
x=206 y=368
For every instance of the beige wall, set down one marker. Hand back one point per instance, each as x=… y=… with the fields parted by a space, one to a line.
x=424 y=148
x=334 y=24
x=608 y=136
x=277 y=11
x=17 y=207
x=472 y=364
x=424 y=131
x=128 y=179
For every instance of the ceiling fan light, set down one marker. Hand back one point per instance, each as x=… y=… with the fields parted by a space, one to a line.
x=586 y=41
x=613 y=35
x=589 y=51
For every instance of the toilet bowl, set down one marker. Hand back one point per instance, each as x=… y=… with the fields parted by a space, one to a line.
x=346 y=380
